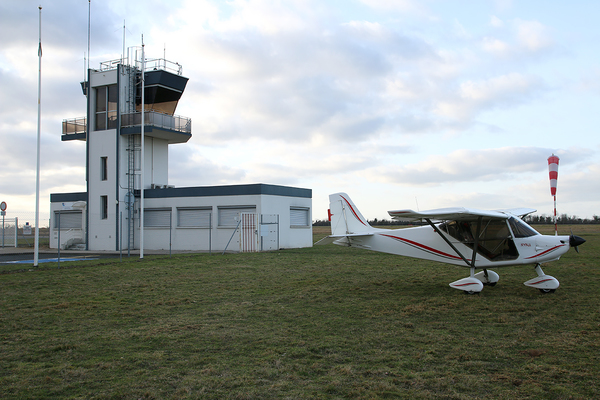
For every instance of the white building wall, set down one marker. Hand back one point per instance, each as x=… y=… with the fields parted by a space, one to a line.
x=217 y=238
x=102 y=231
x=290 y=236
x=156 y=155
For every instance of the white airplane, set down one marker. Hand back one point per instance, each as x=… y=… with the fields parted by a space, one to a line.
x=473 y=238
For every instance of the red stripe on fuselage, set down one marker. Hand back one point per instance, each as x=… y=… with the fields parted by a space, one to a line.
x=423 y=247
x=545 y=252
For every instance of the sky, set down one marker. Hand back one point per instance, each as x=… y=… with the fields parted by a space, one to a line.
x=416 y=104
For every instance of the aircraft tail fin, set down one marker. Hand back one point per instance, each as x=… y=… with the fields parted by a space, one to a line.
x=345 y=217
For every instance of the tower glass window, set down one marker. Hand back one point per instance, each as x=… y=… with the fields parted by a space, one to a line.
x=106 y=107
x=103 y=168
x=103 y=207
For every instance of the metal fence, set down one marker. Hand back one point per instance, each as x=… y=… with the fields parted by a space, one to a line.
x=18 y=229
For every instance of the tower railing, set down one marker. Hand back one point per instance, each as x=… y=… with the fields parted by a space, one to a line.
x=152 y=64
x=159 y=120
x=74 y=126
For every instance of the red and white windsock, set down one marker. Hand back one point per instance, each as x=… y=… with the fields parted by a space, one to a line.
x=553 y=169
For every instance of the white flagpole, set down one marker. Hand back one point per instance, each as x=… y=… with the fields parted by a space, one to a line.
x=142 y=161
x=37 y=176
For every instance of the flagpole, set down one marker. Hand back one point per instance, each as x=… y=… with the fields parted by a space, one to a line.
x=37 y=176
x=142 y=155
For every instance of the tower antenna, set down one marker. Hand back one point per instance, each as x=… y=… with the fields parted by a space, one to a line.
x=89 y=31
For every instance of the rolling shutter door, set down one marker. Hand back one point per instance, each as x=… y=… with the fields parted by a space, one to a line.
x=157 y=218
x=194 y=217
x=299 y=216
x=68 y=220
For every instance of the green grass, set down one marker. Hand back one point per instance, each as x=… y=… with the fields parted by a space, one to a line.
x=326 y=322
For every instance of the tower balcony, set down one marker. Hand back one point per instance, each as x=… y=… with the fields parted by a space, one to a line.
x=74 y=129
x=173 y=128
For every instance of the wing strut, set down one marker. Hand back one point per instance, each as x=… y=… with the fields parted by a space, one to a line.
x=476 y=241
x=469 y=263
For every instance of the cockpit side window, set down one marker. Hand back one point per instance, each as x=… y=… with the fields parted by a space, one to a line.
x=494 y=242
x=520 y=229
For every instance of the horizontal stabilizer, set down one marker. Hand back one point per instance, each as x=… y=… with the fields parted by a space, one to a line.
x=333 y=238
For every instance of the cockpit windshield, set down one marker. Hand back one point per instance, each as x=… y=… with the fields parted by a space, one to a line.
x=520 y=229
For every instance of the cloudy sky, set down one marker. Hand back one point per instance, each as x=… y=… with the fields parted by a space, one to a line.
x=400 y=103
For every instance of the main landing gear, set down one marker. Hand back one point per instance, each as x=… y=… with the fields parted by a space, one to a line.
x=474 y=283
x=545 y=283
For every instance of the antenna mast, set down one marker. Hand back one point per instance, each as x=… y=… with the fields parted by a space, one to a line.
x=89 y=30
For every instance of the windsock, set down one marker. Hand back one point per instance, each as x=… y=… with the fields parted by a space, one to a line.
x=553 y=169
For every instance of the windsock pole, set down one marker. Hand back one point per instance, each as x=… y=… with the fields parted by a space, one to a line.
x=553 y=170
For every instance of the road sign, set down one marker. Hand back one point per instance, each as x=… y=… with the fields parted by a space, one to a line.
x=3 y=206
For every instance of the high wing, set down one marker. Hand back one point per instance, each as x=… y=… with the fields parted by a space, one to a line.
x=519 y=212
x=454 y=213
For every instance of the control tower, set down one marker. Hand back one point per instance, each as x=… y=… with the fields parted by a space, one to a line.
x=112 y=131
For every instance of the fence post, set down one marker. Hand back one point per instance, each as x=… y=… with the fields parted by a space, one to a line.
x=58 y=239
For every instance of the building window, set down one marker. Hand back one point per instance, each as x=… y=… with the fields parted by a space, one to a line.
x=103 y=207
x=229 y=217
x=299 y=216
x=103 y=168
x=106 y=107
x=197 y=217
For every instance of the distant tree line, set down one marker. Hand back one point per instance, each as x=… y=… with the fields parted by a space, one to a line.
x=561 y=219
x=530 y=219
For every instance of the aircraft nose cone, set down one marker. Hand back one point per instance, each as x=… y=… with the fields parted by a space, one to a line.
x=575 y=241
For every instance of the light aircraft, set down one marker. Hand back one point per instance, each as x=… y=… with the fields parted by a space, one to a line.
x=472 y=238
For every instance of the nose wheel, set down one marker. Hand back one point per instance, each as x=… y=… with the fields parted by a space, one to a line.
x=545 y=283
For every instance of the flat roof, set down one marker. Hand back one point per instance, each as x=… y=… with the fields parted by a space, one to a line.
x=202 y=191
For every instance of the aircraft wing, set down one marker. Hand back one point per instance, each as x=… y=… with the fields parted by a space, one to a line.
x=519 y=212
x=454 y=213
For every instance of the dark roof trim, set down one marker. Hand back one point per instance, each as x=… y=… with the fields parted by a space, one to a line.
x=228 y=190
x=73 y=136
x=65 y=197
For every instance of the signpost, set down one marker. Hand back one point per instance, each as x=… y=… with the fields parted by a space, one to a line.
x=3 y=212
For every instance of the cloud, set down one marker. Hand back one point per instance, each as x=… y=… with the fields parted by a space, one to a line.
x=473 y=97
x=533 y=35
x=518 y=38
x=310 y=93
x=501 y=164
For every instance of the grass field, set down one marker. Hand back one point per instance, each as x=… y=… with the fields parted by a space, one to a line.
x=320 y=323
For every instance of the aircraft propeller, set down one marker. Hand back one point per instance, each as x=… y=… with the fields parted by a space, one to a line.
x=575 y=241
